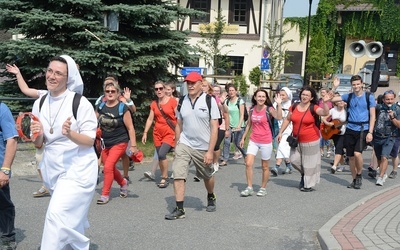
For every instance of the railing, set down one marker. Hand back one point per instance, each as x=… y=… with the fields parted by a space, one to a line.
x=318 y=84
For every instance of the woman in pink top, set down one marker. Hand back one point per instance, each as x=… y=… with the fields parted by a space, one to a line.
x=260 y=137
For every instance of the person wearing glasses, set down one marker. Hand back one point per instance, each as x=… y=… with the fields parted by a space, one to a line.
x=75 y=85
x=124 y=97
x=69 y=164
x=162 y=111
x=386 y=130
x=360 y=125
x=117 y=130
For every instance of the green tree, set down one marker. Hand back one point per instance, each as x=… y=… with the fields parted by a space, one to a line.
x=241 y=85
x=255 y=75
x=276 y=48
x=139 y=52
x=317 y=64
x=210 y=48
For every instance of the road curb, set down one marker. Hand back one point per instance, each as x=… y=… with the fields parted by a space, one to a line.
x=326 y=238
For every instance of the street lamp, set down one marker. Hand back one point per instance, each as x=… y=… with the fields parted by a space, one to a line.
x=308 y=39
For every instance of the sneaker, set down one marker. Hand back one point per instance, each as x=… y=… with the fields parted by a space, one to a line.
x=8 y=245
x=351 y=185
x=358 y=183
x=340 y=169
x=274 y=171
x=328 y=155
x=262 y=192
x=287 y=171
x=237 y=156
x=42 y=192
x=215 y=167
x=196 y=179
x=131 y=165
x=372 y=174
x=393 y=174
x=247 y=192
x=322 y=154
x=379 y=181
x=211 y=204
x=149 y=175
x=333 y=169
x=172 y=176
x=384 y=177
x=176 y=214
x=103 y=200
x=123 y=191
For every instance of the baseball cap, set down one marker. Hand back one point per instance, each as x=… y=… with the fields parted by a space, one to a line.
x=138 y=157
x=193 y=77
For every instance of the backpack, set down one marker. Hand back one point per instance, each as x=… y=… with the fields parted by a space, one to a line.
x=384 y=127
x=273 y=123
x=367 y=94
x=246 y=113
x=120 y=109
x=75 y=103
x=317 y=119
x=208 y=102
x=104 y=99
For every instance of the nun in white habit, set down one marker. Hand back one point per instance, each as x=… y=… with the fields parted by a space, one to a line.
x=283 y=150
x=69 y=164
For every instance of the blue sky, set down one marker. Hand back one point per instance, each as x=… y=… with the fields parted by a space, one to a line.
x=299 y=8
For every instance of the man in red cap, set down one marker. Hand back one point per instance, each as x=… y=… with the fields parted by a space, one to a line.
x=196 y=134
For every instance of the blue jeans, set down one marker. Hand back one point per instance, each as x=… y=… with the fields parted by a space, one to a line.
x=237 y=137
x=7 y=215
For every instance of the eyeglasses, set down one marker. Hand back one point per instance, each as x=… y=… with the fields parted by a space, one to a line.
x=56 y=73
x=159 y=89
x=111 y=91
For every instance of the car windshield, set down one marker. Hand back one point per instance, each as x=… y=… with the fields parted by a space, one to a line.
x=370 y=66
x=345 y=82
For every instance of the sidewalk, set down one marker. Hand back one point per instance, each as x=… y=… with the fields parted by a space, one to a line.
x=371 y=223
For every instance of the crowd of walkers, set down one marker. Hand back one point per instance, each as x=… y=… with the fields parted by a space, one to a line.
x=207 y=128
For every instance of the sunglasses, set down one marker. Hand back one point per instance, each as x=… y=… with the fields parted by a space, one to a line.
x=159 y=89
x=110 y=91
x=389 y=92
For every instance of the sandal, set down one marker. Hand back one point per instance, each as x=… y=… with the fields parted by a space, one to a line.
x=223 y=163
x=163 y=184
x=42 y=192
x=123 y=191
x=103 y=200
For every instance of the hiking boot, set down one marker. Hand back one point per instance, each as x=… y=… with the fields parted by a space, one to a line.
x=358 y=183
x=393 y=174
x=274 y=171
x=176 y=214
x=262 y=192
x=379 y=181
x=211 y=204
x=247 y=192
x=351 y=185
x=372 y=174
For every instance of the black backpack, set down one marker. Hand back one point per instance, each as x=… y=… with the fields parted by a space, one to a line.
x=208 y=101
x=367 y=94
x=75 y=103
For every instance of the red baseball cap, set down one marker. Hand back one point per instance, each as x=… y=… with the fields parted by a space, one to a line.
x=193 y=77
x=138 y=157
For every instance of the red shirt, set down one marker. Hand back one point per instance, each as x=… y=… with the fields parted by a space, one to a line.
x=308 y=130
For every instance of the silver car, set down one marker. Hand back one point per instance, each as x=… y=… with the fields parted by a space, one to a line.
x=345 y=84
x=384 y=77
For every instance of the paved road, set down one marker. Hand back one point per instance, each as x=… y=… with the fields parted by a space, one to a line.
x=285 y=219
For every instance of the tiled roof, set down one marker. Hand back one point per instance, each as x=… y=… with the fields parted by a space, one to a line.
x=359 y=7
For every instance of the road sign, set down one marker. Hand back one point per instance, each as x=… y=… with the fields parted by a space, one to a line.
x=186 y=70
x=265 y=64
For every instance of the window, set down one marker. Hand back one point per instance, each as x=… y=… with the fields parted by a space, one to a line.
x=201 y=5
x=239 y=11
x=229 y=65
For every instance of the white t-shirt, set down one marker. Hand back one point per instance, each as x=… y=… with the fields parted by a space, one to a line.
x=339 y=115
x=195 y=118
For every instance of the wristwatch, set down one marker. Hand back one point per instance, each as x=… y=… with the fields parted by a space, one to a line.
x=5 y=171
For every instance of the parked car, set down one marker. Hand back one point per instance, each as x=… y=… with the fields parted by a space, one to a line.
x=345 y=84
x=384 y=77
x=295 y=84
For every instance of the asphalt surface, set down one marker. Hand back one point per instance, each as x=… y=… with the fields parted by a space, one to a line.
x=284 y=219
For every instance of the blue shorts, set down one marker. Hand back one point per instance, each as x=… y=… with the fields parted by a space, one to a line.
x=396 y=147
x=383 y=147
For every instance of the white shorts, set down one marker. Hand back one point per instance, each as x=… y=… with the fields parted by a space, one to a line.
x=265 y=148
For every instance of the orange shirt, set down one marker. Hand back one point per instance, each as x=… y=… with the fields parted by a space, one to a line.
x=308 y=131
x=162 y=131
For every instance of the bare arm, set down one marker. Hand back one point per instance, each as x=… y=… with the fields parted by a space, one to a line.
x=9 y=155
x=371 y=124
x=31 y=92
x=131 y=131
x=149 y=122
x=78 y=138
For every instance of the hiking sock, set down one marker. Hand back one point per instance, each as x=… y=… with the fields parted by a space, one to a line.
x=289 y=165
x=179 y=204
